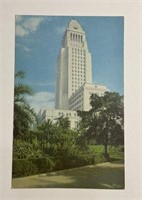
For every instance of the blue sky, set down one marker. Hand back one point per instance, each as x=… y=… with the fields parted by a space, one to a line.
x=38 y=41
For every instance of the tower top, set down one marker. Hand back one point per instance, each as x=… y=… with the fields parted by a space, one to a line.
x=74 y=25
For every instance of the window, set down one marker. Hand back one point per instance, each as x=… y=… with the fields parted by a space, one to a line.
x=71 y=36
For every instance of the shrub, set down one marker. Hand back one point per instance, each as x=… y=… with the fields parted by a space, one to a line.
x=100 y=158
x=66 y=162
x=44 y=164
x=23 y=167
x=26 y=167
x=58 y=163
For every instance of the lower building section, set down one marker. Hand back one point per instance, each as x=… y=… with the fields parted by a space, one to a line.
x=54 y=114
x=80 y=100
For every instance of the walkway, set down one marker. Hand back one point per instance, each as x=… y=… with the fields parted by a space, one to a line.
x=106 y=176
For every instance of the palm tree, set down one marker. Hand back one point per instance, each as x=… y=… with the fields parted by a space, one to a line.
x=63 y=122
x=24 y=115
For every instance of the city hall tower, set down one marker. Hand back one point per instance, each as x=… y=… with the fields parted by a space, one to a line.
x=74 y=66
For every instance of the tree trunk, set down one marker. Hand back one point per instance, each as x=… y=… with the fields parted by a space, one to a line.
x=106 y=155
x=105 y=148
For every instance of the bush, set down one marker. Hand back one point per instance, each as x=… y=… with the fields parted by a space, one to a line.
x=100 y=158
x=23 y=167
x=26 y=167
x=44 y=164
x=66 y=162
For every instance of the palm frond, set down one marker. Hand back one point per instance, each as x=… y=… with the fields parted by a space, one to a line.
x=21 y=89
x=20 y=74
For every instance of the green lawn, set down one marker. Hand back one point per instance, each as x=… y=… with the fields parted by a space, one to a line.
x=116 y=153
x=101 y=176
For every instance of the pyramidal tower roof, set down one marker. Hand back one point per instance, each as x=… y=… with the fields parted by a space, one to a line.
x=74 y=25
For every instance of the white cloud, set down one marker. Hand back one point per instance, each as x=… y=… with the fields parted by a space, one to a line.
x=32 y=23
x=23 y=47
x=42 y=83
x=60 y=30
x=42 y=100
x=25 y=26
x=27 y=49
x=20 y=31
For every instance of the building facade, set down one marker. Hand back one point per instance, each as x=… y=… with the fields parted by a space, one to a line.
x=54 y=114
x=73 y=64
x=74 y=77
x=80 y=100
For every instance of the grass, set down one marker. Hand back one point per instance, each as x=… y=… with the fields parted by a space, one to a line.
x=102 y=176
x=116 y=153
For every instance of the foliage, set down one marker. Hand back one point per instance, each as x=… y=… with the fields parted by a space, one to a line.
x=116 y=153
x=44 y=164
x=54 y=146
x=63 y=122
x=23 y=167
x=24 y=115
x=58 y=139
x=100 y=158
x=104 y=123
x=23 y=150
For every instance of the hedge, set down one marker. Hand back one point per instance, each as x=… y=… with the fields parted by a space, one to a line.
x=23 y=167
x=26 y=167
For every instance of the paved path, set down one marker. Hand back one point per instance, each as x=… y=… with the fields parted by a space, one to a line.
x=106 y=176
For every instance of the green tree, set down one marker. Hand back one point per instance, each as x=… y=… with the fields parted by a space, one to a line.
x=104 y=122
x=24 y=115
x=63 y=122
x=46 y=137
x=23 y=150
x=58 y=139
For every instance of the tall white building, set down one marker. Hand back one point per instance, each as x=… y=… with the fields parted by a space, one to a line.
x=74 y=77
x=73 y=64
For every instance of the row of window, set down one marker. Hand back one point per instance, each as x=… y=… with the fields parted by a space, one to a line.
x=78 y=74
x=77 y=85
x=66 y=114
x=79 y=78
x=76 y=37
x=76 y=44
x=78 y=62
x=98 y=93
x=79 y=67
x=82 y=55
x=79 y=71
x=80 y=107
x=78 y=54
x=73 y=90
x=78 y=98
x=75 y=61
x=78 y=50
x=78 y=58
x=79 y=102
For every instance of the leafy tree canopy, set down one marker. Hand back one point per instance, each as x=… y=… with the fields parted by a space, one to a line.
x=24 y=115
x=104 y=122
